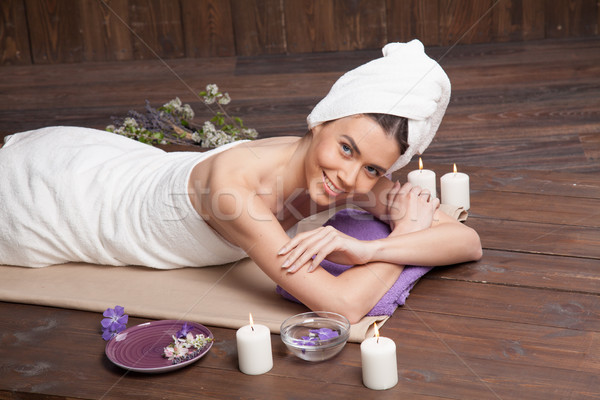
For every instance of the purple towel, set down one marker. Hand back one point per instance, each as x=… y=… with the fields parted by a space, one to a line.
x=363 y=226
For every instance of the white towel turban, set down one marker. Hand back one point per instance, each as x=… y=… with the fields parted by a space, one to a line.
x=404 y=82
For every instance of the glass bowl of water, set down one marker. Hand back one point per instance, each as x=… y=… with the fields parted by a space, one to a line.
x=315 y=336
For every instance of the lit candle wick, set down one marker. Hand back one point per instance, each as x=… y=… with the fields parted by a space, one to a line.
x=251 y=322
x=376 y=331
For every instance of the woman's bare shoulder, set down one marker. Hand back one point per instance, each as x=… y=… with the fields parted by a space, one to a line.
x=245 y=167
x=252 y=158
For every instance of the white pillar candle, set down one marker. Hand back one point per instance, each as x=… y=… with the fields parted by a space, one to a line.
x=455 y=189
x=254 y=349
x=379 y=366
x=424 y=178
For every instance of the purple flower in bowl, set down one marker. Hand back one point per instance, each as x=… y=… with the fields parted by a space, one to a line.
x=315 y=336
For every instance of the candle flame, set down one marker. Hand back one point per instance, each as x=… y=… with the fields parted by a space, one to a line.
x=420 y=164
x=251 y=321
x=376 y=331
x=455 y=170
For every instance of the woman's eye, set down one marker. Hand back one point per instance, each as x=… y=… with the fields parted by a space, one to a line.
x=372 y=171
x=346 y=149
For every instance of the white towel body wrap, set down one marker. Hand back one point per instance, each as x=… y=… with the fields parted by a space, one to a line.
x=84 y=195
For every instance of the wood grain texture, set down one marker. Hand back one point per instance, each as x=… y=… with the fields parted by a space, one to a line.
x=518 y=20
x=359 y=24
x=567 y=18
x=258 y=27
x=569 y=274
x=207 y=28
x=334 y=25
x=474 y=358
x=309 y=26
x=158 y=29
x=54 y=31
x=463 y=22
x=105 y=30
x=51 y=31
x=413 y=19
x=14 y=35
x=534 y=18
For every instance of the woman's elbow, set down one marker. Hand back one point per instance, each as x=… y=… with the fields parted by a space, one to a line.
x=468 y=246
x=477 y=254
x=352 y=308
x=353 y=316
x=345 y=304
x=475 y=249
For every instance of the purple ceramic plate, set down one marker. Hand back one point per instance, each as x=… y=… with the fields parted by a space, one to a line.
x=140 y=348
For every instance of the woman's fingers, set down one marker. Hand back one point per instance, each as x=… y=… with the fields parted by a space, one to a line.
x=419 y=209
x=393 y=193
x=398 y=192
x=297 y=266
x=296 y=240
x=304 y=246
x=322 y=243
x=397 y=202
x=334 y=241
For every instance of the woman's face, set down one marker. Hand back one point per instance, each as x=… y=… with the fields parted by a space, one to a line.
x=348 y=156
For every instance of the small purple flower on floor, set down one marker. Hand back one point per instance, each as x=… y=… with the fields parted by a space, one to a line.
x=114 y=323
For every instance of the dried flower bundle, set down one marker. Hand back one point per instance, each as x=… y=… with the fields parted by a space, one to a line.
x=172 y=123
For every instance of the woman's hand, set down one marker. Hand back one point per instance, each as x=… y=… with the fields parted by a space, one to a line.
x=410 y=208
x=324 y=242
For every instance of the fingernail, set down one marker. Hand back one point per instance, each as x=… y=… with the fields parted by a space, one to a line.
x=282 y=251
x=312 y=268
x=292 y=268
x=286 y=263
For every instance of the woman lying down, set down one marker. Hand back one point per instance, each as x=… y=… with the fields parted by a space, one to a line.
x=83 y=195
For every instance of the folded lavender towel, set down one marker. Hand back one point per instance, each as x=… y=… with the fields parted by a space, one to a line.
x=363 y=226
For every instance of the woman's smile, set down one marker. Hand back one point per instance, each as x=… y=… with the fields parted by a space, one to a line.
x=330 y=188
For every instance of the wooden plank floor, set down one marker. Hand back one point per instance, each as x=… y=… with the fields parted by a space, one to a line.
x=522 y=323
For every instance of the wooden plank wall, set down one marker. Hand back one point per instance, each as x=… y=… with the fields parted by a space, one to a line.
x=70 y=31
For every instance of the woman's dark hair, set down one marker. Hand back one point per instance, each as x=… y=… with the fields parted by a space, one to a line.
x=394 y=126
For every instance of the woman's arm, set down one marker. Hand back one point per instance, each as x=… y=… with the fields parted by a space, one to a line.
x=446 y=242
x=421 y=235
x=246 y=221
x=411 y=240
